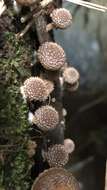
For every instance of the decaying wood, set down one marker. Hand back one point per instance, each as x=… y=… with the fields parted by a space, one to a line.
x=57 y=135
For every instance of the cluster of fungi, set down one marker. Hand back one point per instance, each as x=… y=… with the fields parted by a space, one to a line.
x=52 y=60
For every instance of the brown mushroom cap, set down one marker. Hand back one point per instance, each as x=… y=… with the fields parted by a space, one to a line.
x=35 y=89
x=51 y=56
x=26 y=2
x=69 y=145
x=57 y=156
x=46 y=118
x=61 y=17
x=71 y=75
x=55 y=179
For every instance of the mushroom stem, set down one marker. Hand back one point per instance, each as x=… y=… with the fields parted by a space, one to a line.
x=50 y=26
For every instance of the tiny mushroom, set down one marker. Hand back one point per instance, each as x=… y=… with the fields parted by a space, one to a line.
x=69 y=145
x=61 y=18
x=51 y=56
x=57 y=156
x=46 y=118
x=35 y=88
x=55 y=179
x=71 y=75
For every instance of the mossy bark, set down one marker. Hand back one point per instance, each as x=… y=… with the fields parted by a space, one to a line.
x=17 y=170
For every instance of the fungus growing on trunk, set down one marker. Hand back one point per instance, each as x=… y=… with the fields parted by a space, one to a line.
x=57 y=156
x=35 y=88
x=69 y=145
x=61 y=18
x=71 y=75
x=51 y=56
x=46 y=118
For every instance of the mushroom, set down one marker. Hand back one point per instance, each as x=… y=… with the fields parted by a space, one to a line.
x=57 y=156
x=35 y=88
x=61 y=18
x=51 y=56
x=46 y=118
x=71 y=78
x=55 y=179
x=69 y=145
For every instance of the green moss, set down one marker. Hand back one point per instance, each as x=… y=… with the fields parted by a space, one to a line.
x=14 y=68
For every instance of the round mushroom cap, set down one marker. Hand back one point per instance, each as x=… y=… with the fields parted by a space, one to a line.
x=55 y=179
x=61 y=18
x=26 y=2
x=51 y=56
x=69 y=145
x=71 y=75
x=35 y=89
x=57 y=156
x=46 y=118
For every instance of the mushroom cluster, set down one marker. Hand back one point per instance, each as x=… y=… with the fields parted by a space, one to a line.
x=52 y=58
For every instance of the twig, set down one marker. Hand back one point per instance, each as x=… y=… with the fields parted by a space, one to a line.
x=20 y=35
x=89 y=5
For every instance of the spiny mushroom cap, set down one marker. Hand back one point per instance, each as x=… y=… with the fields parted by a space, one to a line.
x=26 y=2
x=55 y=179
x=71 y=75
x=69 y=145
x=57 y=156
x=46 y=118
x=51 y=56
x=61 y=18
x=35 y=89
